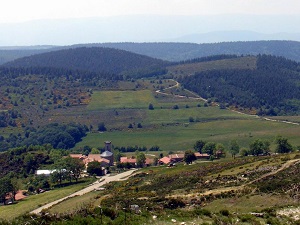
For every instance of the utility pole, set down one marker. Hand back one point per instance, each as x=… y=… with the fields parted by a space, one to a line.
x=101 y=213
x=125 y=216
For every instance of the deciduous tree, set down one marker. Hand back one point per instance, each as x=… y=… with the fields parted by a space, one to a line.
x=283 y=146
x=189 y=157
x=234 y=148
x=198 y=146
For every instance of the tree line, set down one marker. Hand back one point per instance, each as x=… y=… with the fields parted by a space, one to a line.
x=256 y=147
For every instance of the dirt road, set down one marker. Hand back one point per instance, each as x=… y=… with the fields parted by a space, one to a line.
x=97 y=184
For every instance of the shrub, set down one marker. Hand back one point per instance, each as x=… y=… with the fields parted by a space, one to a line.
x=101 y=127
x=224 y=212
x=151 y=107
x=109 y=212
x=246 y=218
x=174 y=203
x=204 y=212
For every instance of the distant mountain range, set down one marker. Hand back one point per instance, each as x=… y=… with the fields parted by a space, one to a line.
x=152 y=28
x=234 y=36
x=172 y=51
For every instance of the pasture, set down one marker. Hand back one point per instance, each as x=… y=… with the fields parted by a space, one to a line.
x=102 y=100
x=180 y=137
x=175 y=129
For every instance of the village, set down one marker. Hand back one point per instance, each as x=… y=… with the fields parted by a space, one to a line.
x=106 y=160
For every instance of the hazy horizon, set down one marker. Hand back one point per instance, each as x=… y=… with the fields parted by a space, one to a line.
x=68 y=22
x=151 y=28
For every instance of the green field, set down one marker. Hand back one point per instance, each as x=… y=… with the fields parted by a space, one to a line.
x=182 y=137
x=171 y=129
x=102 y=100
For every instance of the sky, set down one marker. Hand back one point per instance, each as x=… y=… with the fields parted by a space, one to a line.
x=15 y=11
x=65 y=22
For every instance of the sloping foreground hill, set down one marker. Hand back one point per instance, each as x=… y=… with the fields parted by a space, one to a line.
x=94 y=59
x=193 y=193
x=272 y=88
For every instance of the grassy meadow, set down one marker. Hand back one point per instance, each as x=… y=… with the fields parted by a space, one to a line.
x=175 y=129
x=172 y=129
x=182 y=137
x=102 y=100
x=189 y=69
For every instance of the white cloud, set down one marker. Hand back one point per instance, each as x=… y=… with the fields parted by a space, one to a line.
x=20 y=10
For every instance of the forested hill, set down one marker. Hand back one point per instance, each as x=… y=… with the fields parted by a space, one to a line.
x=270 y=89
x=185 y=51
x=93 y=59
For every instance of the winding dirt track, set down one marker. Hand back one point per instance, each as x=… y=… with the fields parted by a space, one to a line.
x=283 y=167
x=107 y=179
x=203 y=99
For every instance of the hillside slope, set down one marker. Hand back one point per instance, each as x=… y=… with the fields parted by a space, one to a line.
x=272 y=88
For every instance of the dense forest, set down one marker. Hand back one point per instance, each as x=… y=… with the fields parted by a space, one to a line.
x=271 y=89
x=58 y=136
x=94 y=60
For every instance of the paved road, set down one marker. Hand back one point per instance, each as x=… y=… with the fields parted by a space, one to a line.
x=107 y=179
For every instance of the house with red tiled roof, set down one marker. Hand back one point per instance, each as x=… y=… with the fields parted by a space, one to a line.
x=165 y=160
x=202 y=156
x=131 y=161
x=78 y=156
x=177 y=157
x=98 y=158
x=149 y=161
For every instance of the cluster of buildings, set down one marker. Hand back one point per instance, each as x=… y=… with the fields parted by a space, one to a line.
x=174 y=158
x=106 y=159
